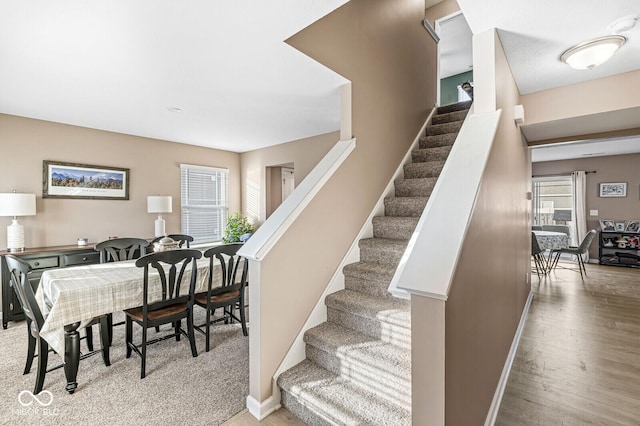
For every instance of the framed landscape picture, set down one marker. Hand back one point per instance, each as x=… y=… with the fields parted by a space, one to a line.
x=69 y=180
x=613 y=189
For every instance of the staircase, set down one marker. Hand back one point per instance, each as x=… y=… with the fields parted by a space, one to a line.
x=358 y=365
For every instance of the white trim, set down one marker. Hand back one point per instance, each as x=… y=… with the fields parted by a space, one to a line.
x=502 y=384
x=260 y=243
x=205 y=168
x=445 y=218
x=261 y=410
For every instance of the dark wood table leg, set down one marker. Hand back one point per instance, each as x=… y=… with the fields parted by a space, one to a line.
x=71 y=355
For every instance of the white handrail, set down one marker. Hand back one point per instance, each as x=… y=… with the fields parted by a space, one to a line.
x=257 y=247
x=428 y=264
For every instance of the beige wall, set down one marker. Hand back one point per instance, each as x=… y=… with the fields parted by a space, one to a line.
x=154 y=169
x=382 y=48
x=441 y=10
x=616 y=168
x=590 y=97
x=490 y=285
x=301 y=155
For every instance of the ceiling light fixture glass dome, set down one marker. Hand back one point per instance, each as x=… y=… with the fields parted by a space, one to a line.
x=590 y=54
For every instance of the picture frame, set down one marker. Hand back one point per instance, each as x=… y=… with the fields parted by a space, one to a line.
x=613 y=189
x=84 y=181
x=607 y=225
x=620 y=226
x=633 y=226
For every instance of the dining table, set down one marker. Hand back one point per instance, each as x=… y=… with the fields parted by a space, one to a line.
x=70 y=298
x=549 y=241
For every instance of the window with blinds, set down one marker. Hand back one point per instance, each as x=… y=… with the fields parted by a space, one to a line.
x=204 y=202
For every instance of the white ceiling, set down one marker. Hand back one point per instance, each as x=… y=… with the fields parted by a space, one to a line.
x=455 y=48
x=119 y=65
x=583 y=149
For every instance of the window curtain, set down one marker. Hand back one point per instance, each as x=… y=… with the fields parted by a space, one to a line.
x=579 y=206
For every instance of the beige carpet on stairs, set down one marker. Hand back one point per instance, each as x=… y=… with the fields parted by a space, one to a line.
x=178 y=389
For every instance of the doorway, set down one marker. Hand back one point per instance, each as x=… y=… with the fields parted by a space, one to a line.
x=455 y=58
x=280 y=182
x=553 y=203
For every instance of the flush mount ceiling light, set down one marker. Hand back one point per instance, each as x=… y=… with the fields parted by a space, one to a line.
x=174 y=109
x=590 y=54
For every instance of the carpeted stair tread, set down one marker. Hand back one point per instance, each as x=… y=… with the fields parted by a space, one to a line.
x=422 y=155
x=448 y=117
x=416 y=187
x=404 y=206
x=439 y=129
x=385 y=251
x=349 y=344
x=393 y=311
x=369 y=278
x=398 y=227
x=433 y=141
x=322 y=398
x=425 y=169
x=363 y=360
x=454 y=107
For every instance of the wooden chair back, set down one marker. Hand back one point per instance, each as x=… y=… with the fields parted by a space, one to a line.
x=18 y=274
x=170 y=266
x=120 y=249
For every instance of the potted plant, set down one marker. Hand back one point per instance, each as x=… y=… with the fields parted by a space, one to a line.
x=237 y=226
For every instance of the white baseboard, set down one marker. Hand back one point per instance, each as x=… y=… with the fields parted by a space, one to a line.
x=502 y=384
x=260 y=410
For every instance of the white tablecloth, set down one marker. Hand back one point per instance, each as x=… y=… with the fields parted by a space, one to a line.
x=81 y=293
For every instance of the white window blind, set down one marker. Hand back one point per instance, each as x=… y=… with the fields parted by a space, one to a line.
x=204 y=202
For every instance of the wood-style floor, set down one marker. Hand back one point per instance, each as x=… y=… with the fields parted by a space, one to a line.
x=578 y=362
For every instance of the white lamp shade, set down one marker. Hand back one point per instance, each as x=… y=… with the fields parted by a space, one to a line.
x=14 y=204
x=159 y=204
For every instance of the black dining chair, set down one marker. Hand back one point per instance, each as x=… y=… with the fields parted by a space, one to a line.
x=182 y=239
x=18 y=274
x=117 y=250
x=167 y=302
x=229 y=293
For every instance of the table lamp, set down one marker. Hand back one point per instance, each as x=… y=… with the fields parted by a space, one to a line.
x=14 y=204
x=159 y=204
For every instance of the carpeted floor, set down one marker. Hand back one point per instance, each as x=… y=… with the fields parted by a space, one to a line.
x=178 y=389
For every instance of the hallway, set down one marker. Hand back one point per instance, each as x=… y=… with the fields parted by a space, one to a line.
x=578 y=362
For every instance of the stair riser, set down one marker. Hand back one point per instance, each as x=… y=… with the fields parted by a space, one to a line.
x=421 y=187
x=392 y=333
x=378 y=288
x=404 y=207
x=449 y=117
x=430 y=154
x=454 y=107
x=381 y=255
x=440 y=129
x=435 y=141
x=423 y=170
x=372 y=377
x=384 y=228
x=305 y=414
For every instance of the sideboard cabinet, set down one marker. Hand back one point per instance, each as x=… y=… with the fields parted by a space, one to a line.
x=40 y=259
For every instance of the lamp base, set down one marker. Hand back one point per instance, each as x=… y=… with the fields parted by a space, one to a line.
x=159 y=225
x=15 y=237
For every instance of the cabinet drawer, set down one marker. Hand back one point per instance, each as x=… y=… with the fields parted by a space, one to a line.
x=81 y=259
x=44 y=262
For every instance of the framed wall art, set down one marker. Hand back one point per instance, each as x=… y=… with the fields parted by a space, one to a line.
x=70 y=180
x=613 y=189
